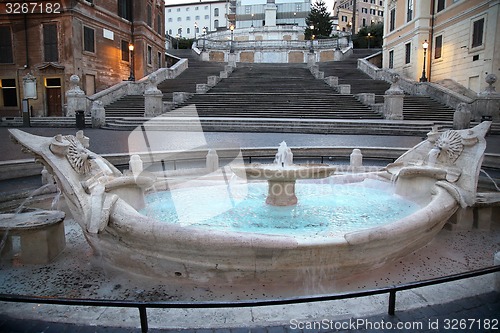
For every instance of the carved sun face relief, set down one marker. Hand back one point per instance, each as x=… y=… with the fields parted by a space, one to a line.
x=78 y=156
x=450 y=144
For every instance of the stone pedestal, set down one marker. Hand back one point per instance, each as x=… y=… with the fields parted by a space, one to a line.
x=487 y=104
x=202 y=88
x=41 y=235
x=231 y=59
x=366 y=98
x=98 y=114
x=393 y=101
x=281 y=193
x=212 y=80
x=332 y=81
x=179 y=97
x=311 y=59
x=75 y=97
x=153 y=104
x=344 y=89
x=461 y=117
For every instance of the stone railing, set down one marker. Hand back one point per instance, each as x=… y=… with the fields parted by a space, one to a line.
x=486 y=105
x=319 y=44
x=124 y=88
x=440 y=93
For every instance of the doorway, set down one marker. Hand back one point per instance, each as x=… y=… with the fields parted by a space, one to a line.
x=54 y=97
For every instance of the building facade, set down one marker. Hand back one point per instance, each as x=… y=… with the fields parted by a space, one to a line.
x=91 y=39
x=252 y=13
x=188 y=20
x=462 y=40
x=367 y=12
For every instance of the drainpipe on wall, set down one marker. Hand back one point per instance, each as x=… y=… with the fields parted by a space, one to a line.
x=431 y=42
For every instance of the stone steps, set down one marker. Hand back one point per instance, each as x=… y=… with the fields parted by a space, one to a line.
x=290 y=125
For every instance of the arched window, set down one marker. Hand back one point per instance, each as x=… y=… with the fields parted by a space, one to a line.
x=216 y=24
x=216 y=12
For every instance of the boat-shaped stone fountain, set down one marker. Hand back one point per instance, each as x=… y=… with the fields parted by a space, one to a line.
x=438 y=176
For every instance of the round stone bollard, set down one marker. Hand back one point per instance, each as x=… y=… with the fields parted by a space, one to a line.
x=212 y=160
x=136 y=165
x=356 y=158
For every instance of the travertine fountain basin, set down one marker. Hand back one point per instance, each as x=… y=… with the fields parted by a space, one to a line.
x=439 y=175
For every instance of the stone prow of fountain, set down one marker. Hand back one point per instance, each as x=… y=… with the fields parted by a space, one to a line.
x=450 y=159
x=90 y=184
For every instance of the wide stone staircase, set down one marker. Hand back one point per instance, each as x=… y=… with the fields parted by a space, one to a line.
x=414 y=107
x=197 y=72
x=277 y=91
x=279 y=98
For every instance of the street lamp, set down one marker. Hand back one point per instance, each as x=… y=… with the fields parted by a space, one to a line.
x=177 y=39
x=195 y=28
x=369 y=36
x=231 y=47
x=252 y=19
x=425 y=45
x=294 y=16
x=311 y=49
x=131 y=50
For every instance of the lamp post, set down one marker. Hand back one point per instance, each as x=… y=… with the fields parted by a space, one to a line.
x=131 y=49
x=195 y=28
x=204 y=30
x=369 y=36
x=294 y=17
x=311 y=48
x=425 y=45
x=177 y=40
x=231 y=47
x=252 y=19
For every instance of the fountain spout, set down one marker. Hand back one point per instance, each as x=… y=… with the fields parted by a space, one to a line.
x=284 y=156
x=433 y=155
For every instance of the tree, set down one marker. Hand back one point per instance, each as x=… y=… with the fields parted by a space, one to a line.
x=319 y=18
x=375 y=38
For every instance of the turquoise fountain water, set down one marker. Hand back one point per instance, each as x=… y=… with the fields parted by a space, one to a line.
x=323 y=209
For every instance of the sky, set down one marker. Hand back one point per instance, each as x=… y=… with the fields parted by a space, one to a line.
x=329 y=3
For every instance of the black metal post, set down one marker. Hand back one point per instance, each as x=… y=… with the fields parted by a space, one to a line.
x=144 y=319
x=392 y=302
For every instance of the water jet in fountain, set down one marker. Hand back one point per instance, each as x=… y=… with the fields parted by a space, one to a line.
x=108 y=207
x=282 y=175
